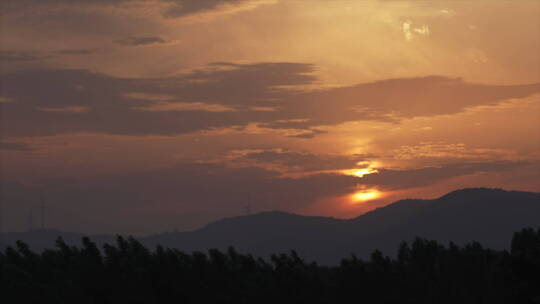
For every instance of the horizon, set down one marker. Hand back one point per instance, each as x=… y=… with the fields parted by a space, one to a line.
x=265 y=212
x=143 y=116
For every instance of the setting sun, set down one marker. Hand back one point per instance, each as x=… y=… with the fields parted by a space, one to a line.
x=363 y=196
x=317 y=132
x=360 y=172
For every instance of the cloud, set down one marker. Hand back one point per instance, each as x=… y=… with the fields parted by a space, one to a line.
x=225 y=95
x=140 y=41
x=403 y=98
x=182 y=8
x=113 y=110
x=185 y=106
x=14 y=56
x=436 y=151
x=411 y=31
x=390 y=179
x=15 y=146
x=13 y=5
x=169 y=8
x=35 y=58
x=299 y=161
x=72 y=109
x=75 y=52
x=308 y=135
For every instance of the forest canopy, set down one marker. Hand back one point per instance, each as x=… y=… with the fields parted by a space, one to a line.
x=424 y=271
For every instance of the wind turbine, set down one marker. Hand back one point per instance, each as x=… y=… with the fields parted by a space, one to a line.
x=42 y=208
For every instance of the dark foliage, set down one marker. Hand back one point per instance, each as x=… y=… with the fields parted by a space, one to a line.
x=424 y=272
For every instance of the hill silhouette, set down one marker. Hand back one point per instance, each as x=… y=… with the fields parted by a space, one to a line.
x=489 y=216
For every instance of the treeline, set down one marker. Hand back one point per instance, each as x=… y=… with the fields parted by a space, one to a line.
x=423 y=272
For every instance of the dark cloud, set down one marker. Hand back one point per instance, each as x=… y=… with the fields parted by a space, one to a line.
x=14 y=5
x=15 y=146
x=15 y=56
x=402 y=179
x=112 y=110
x=46 y=99
x=399 y=98
x=21 y=57
x=308 y=135
x=65 y=22
x=76 y=52
x=303 y=160
x=174 y=8
x=181 y=8
x=140 y=41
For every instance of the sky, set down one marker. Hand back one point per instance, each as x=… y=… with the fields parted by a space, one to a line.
x=144 y=116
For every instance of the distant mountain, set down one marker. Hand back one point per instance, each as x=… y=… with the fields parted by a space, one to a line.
x=489 y=216
x=40 y=239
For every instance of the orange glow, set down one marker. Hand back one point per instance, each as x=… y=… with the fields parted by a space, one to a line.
x=360 y=172
x=367 y=195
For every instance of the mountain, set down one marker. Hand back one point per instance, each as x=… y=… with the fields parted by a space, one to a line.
x=40 y=239
x=489 y=216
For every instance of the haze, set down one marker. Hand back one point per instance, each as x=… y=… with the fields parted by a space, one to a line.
x=134 y=116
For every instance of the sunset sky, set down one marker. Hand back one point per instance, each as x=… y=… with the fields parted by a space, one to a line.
x=143 y=116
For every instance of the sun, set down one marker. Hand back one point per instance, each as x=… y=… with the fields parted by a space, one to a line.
x=360 y=172
x=366 y=195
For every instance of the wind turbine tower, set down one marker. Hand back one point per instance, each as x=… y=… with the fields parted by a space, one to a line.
x=30 y=221
x=42 y=209
x=247 y=208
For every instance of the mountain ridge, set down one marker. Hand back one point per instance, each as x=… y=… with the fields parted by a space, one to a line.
x=489 y=216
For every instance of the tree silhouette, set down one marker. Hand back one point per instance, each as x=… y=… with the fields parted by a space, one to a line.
x=127 y=272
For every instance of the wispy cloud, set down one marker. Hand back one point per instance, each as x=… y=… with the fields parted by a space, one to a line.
x=15 y=56
x=15 y=146
x=141 y=41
